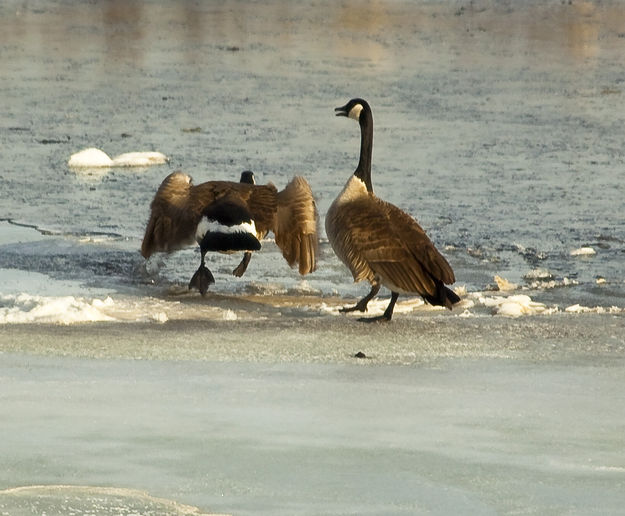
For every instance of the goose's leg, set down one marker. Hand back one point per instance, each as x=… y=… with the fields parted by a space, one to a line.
x=388 y=313
x=361 y=306
x=202 y=278
x=242 y=267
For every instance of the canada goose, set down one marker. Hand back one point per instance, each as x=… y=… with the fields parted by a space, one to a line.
x=227 y=217
x=378 y=241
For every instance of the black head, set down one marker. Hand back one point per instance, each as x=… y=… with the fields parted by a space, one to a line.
x=247 y=176
x=353 y=109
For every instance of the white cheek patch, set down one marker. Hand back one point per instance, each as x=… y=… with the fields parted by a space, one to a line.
x=212 y=226
x=355 y=112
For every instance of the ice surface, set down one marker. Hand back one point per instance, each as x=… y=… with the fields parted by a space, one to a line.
x=453 y=437
x=504 y=144
x=84 y=500
x=497 y=124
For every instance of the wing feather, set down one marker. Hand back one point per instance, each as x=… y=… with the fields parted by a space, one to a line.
x=172 y=222
x=291 y=214
x=178 y=206
x=295 y=225
x=376 y=239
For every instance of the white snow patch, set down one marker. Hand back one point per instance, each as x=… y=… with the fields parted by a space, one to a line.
x=96 y=158
x=553 y=283
x=580 y=309
x=514 y=306
x=139 y=159
x=583 y=251
x=539 y=274
x=229 y=315
x=26 y=308
x=23 y=308
x=504 y=285
x=91 y=157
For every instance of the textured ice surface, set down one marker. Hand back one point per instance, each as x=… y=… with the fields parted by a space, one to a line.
x=84 y=500
x=497 y=124
x=483 y=436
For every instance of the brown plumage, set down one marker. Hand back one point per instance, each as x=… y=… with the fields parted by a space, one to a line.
x=379 y=242
x=179 y=206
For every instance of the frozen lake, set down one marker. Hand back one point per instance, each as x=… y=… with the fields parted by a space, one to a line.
x=497 y=124
x=471 y=437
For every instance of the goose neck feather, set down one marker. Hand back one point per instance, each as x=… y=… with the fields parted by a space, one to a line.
x=363 y=170
x=354 y=189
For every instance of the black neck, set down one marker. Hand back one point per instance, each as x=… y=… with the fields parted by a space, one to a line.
x=363 y=170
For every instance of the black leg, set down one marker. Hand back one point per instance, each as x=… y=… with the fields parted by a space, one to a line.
x=388 y=313
x=361 y=306
x=202 y=278
x=242 y=267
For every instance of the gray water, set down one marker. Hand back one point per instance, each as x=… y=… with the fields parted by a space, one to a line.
x=498 y=125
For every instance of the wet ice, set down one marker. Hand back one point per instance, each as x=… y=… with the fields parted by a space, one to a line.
x=497 y=125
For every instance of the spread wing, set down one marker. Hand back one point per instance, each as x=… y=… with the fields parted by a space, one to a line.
x=178 y=207
x=375 y=238
x=291 y=214
x=295 y=225
x=172 y=222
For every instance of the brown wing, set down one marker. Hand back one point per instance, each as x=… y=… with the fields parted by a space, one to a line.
x=375 y=238
x=295 y=225
x=291 y=214
x=178 y=206
x=263 y=204
x=172 y=223
x=420 y=246
x=346 y=227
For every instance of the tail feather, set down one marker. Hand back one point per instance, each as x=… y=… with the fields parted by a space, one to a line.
x=444 y=296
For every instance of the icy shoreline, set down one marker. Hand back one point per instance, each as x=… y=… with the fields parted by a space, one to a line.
x=476 y=436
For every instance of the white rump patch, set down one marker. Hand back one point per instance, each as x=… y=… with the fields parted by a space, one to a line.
x=206 y=225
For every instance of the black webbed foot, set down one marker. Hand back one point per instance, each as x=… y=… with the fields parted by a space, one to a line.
x=361 y=306
x=202 y=279
x=388 y=313
x=377 y=319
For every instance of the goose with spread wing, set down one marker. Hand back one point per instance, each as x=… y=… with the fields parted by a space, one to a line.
x=227 y=217
x=379 y=242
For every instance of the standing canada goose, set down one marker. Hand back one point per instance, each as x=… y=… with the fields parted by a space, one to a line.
x=379 y=242
x=227 y=217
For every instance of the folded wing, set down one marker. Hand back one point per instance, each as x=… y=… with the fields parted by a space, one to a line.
x=378 y=239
